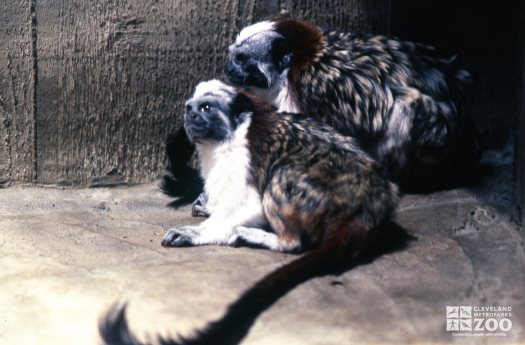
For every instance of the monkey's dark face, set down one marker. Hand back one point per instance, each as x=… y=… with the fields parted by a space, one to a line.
x=203 y=121
x=212 y=114
x=259 y=58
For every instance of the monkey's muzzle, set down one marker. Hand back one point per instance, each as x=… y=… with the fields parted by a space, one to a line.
x=196 y=125
x=234 y=73
x=245 y=75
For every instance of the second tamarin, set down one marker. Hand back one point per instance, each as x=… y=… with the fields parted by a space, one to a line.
x=402 y=100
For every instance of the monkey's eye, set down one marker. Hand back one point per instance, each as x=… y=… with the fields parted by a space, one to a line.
x=241 y=57
x=205 y=107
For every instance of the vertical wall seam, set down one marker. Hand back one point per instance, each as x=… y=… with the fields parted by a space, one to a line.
x=8 y=122
x=34 y=45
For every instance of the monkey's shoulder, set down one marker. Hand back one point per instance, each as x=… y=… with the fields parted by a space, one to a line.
x=308 y=132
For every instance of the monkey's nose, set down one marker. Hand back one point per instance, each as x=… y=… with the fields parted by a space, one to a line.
x=192 y=115
x=195 y=118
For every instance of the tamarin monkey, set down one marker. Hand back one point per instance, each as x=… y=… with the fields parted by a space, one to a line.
x=402 y=100
x=280 y=181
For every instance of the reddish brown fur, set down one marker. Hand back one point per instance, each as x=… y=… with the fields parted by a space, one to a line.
x=306 y=40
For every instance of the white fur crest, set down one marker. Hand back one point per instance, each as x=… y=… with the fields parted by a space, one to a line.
x=253 y=30
x=215 y=87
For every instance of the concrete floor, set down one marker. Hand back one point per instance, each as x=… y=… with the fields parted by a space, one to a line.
x=68 y=254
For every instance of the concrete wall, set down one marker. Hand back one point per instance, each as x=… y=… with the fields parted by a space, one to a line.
x=17 y=92
x=90 y=89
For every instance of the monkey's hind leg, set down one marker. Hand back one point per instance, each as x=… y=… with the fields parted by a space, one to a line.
x=294 y=225
x=259 y=238
x=200 y=206
x=419 y=132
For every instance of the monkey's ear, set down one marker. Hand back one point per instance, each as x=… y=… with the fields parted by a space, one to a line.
x=281 y=53
x=241 y=104
x=287 y=61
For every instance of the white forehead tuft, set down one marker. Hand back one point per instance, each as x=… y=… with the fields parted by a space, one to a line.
x=215 y=87
x=254 y=29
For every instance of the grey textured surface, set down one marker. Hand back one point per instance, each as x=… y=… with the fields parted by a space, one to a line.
x=67 y=254
x=90 y=90
x=17 y=86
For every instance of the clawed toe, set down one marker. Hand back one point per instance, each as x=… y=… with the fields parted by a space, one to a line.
x=173 y=238
x=169 y=238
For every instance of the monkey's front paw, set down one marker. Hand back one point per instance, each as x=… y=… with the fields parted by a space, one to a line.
x=177 y=238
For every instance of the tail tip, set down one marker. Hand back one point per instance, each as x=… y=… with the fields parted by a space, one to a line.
x=113 y=327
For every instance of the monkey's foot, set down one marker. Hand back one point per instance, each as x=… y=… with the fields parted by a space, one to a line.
x=179 y=237
x=199 y=208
